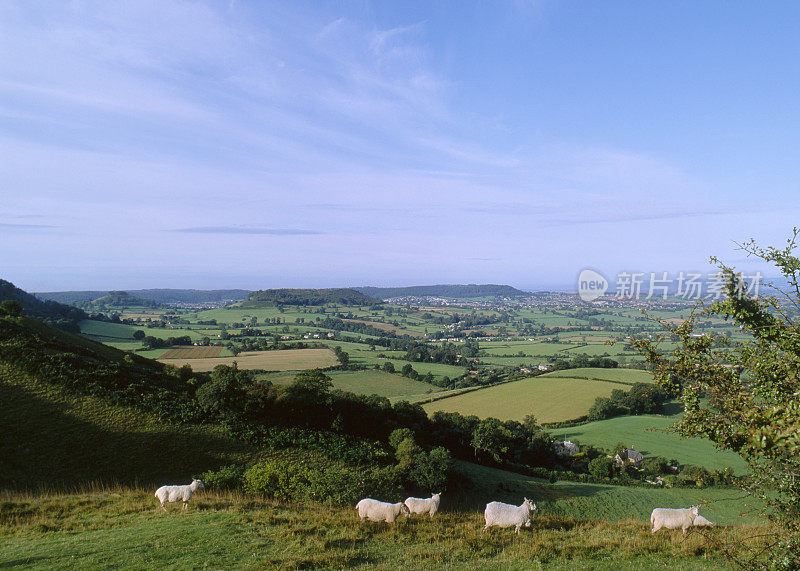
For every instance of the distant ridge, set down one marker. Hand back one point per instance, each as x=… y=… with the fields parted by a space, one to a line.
x=453 y=291
x=343 y=296
x=157 y=295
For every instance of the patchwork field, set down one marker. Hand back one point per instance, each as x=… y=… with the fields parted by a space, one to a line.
x=548 y=399
x=191 y=352
x=285 y=360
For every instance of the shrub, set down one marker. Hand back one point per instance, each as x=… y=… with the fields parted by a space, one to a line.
x=274 y=478
x=224 y=478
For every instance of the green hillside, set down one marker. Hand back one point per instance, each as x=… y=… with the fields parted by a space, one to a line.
x=52 y=312
x=649 y=435
x=73 y=411
x=54 y=438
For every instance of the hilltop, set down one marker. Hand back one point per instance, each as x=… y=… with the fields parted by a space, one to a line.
x=450 y=291
x=162 y=296
x=343 y=296
x=52 y=312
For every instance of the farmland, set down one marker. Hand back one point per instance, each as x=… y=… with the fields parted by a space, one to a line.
x=369 y=383
x=191 y=352
x=286 y=360
x=649 y=435
x=549 y=399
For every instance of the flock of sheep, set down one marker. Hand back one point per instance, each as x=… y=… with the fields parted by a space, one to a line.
x=496 y=513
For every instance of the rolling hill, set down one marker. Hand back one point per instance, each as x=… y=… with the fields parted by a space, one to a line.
x=451 y=291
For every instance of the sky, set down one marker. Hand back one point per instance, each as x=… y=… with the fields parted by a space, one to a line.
x=330 y=144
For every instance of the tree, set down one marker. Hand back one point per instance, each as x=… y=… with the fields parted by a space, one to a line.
x=742 y=393
x=11 y=307
x=139 y=334
x=601 y=467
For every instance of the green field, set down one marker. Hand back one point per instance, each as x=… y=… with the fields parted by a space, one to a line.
x=628 y=376
x=648 y=435
x=369 y=382
x=548 y=399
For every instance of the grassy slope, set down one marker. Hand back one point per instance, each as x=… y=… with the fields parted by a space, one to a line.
x=52 y=438
x=548 y=399
x=124 y=529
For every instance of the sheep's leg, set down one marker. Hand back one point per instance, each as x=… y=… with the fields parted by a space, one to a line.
x=163 y=507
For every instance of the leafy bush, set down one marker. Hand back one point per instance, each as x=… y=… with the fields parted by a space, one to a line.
x=274 y=478
x=224 y=478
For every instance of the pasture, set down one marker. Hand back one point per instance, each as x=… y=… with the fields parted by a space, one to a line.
x=649 y=435
x=548 y=399
x=283 y=360
x=122 y=528
x=627 y=376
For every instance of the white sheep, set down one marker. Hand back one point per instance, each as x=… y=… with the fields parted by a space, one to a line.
x=506 y=515
x=423 y=505
x=700 y=521
x=673 y=518
x=375 y=510
x=178 y=493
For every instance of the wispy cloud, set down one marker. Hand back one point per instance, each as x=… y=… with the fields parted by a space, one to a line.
x=10 y=226
x=244 y=230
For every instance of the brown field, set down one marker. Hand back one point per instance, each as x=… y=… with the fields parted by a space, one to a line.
x=191 y=352
x=286 y=360
x=387 y=327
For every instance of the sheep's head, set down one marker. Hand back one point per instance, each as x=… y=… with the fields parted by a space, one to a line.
x=199 y=483
x=695 y=510
x=529 y=504
x=405 y=510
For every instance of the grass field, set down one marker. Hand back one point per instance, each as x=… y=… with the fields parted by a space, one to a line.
x=548 y=399
x=285 y=360
x=628 y=376
x=388 y=385
x=648 y=434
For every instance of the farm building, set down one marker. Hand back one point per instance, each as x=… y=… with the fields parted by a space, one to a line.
x=629 y=456
x=566 y=448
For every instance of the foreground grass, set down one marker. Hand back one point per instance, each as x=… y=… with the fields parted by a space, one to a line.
x=124 y=528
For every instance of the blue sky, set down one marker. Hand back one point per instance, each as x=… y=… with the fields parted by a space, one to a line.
x=258 y=144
